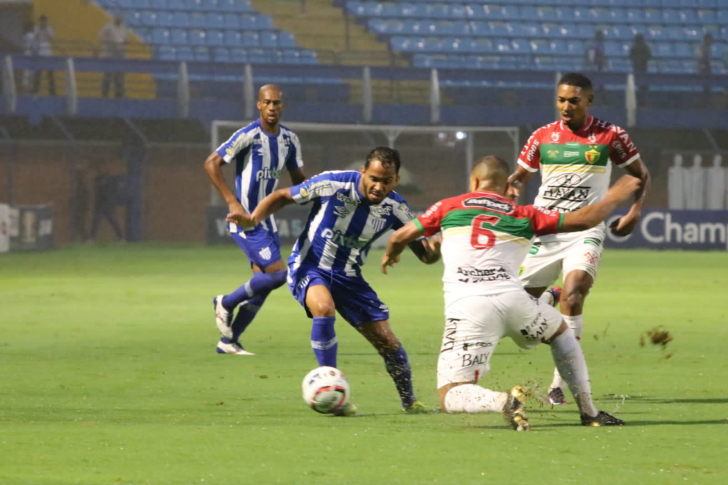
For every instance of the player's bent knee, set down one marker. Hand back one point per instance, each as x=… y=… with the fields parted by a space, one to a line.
x=278 y=278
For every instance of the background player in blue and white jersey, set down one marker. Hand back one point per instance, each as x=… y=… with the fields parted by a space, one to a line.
x=260 y=151
x=350 y=211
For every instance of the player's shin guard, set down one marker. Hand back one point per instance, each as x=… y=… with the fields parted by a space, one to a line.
x=570 y=362
x=575 y=323
x=323 y=340
x=259 y=284
x=398 y=367
x=247 y=312
x=471 y=398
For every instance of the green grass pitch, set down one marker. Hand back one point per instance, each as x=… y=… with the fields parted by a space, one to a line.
x=108 y=375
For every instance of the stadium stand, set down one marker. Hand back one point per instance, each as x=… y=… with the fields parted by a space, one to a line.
x=539 y=35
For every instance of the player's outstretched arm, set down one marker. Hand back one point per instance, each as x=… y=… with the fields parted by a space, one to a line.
x=626 y=224
x=270 y=205
x=213 y=167
x=397 y=242
x=591 y=215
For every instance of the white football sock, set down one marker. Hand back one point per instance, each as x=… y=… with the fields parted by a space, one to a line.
x=576 y=323
x=569 y=360
x=471 y=398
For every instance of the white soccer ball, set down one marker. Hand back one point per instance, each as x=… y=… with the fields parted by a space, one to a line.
x=325 y=389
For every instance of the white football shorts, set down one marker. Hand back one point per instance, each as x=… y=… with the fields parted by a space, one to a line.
x=475 y=324
x=551 y=255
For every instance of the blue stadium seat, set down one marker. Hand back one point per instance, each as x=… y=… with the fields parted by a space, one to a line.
x=132 y=18
x=620 y=64
x=159 y=4
x=688 y=16
x=707 y=16
x=177 y=5
x=545 y=63
x=663 y=49
x=502 y=45
x=160 y=36
x=148 y=19
x=622 y=32
x=722 y=16
x=195 y=37
x=202 y=54
x=140 y=4
x=500 y=28
x=215 y=38
x=184 y=53
x=165 y=19
x=520 y=46
x=239 y=55
x=614 y=48
x=657 y=32
x=710 y=4
x=181 y=19
x=233 y=5
x=167 y=53
x=653 y=16
x=221 y=54
x=683 y=49
x=198 y=20
x=259 y=56
x=636 y=15
x=575 y=46
x=480 y=28
x=527 y=29
x=286 y=39
x=268 y=39
x=251 y=39
x=482 y=44
x=675 y=32
x=233 y=38
x=309 y=57
x=671 y=16
x=178 y=36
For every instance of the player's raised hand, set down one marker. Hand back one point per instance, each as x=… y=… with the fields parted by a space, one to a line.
x=388 y=261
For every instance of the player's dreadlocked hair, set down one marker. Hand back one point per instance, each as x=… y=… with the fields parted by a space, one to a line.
x=388 y=156
x=576 y=79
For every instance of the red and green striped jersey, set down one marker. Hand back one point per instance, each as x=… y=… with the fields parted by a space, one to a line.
x=576 y=165
x=485 y=239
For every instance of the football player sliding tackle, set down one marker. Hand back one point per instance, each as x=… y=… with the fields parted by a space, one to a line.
x=485 y=236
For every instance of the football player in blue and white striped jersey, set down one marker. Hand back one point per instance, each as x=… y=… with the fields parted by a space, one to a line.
x=260 y=151
x=350 y=211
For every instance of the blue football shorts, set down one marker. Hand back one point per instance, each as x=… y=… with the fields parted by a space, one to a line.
x=261 y=246
x=354 y=299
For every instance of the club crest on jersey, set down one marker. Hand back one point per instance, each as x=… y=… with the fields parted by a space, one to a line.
x=592 y=156
x=377 y=224
x=553 y=153
x=265 y=253
x=555 y=136
x=489 y=203
x=405 y=208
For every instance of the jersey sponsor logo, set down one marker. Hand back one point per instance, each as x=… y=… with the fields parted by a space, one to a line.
x=380 y=210
x=267 y=174
x=592 y=138
x=345 y=199
x=315 y=187
x=533 y=149
x=535 y=329
x=592 y=156
x=555 y=136
x=475 y=359
x=429 y=212
x=570 y=154
x=338 y=237
x=476 y=345
x=448 y=339
x=265 y=253
x=384 y=308
x=566 y=187
x=554 y=153
x=489 y=203
x=471 y=274
x=344 y=210
x=624 y=137
x=341 y=211
x=620 y=151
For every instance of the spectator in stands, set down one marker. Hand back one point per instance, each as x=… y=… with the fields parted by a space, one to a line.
x=113 y=37
x=594 y=57
x=30 y=48
x=109 y=192
x=44 y=38
x=704 y=67
x=640 y=56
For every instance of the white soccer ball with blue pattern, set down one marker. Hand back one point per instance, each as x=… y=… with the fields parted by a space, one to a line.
x=325 y=389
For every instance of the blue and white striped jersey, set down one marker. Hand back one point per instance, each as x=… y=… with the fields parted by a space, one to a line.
x=259 y=161
x=342 y=224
